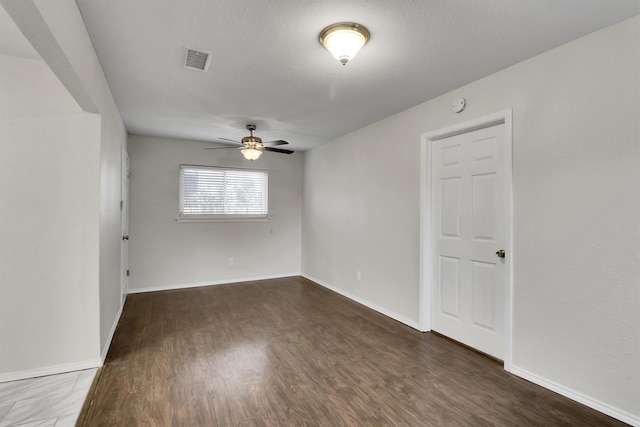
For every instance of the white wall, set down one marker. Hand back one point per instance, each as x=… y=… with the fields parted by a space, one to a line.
x=167 y=254
x=576 y=212
x=49 y=180
x=57 y=33
x=65 y=22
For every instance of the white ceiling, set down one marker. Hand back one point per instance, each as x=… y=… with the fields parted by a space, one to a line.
x=268 y=67
x=12 y=41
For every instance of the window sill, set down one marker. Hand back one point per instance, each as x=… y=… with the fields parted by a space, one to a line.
x=223 y=219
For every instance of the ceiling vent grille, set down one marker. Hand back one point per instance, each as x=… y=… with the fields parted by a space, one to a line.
x=197 y=59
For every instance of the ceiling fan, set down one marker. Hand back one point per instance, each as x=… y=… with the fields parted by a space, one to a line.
x=251 y=146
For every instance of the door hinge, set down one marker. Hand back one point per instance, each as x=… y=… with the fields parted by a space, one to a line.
x=121 y=204
x=127 y=273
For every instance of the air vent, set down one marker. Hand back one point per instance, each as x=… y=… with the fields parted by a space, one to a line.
x=197 y=59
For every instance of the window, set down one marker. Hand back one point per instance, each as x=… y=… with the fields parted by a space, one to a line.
x=210 y=193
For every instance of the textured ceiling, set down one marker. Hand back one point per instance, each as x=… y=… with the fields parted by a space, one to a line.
x=268 y=67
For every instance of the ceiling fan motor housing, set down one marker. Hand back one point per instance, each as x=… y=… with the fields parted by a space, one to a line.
x=252 y=141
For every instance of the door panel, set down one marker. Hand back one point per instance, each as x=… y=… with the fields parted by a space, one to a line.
x=483 y=280
x=450 y=210
x=484 y=206
x=449 y=285
x=470 y=225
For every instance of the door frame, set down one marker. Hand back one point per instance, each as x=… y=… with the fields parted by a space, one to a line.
x=426 y=242
x=124 y=221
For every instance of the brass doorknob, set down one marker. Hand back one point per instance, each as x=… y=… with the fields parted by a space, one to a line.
x=500 y=253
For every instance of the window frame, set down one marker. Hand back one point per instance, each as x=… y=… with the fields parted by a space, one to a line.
x=182 y=217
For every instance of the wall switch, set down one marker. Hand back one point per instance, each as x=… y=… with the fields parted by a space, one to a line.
x=358 y=276
x=230 y=262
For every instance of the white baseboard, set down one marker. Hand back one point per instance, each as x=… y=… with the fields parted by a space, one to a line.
x=50 y=370
x=578 y=397
x=379 y=309
x=107 y=343
x=155 y=288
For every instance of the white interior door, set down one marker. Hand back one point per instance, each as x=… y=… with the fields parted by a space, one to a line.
x=124 y=221
x=470 y=220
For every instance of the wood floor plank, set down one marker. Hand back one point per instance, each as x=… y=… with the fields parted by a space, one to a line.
x=287 y=352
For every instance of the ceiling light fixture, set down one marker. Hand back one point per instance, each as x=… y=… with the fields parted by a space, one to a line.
x=344 y=40
x=251 y=153
x=252 y=145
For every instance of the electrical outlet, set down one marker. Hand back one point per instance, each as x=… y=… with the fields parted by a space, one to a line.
x=358 y=276
x=230 y=262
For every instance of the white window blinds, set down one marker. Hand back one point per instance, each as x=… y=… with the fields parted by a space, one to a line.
x=218 y=193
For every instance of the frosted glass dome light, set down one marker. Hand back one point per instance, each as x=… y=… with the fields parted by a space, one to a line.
x=251 y=153
x=344 y=40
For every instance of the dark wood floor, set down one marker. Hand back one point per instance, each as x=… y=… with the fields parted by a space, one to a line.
x=287 y=352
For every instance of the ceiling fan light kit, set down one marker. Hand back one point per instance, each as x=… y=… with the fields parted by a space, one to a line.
x=251 y=153
x=344 y=40
x=253 y=145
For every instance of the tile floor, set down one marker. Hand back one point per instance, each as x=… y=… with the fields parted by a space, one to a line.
x=51 y=401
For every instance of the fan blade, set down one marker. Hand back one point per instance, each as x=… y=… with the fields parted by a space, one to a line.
x=220 y=148
x=236 y=144
x=230 y=140
x=277 y=150
x=278 y=142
